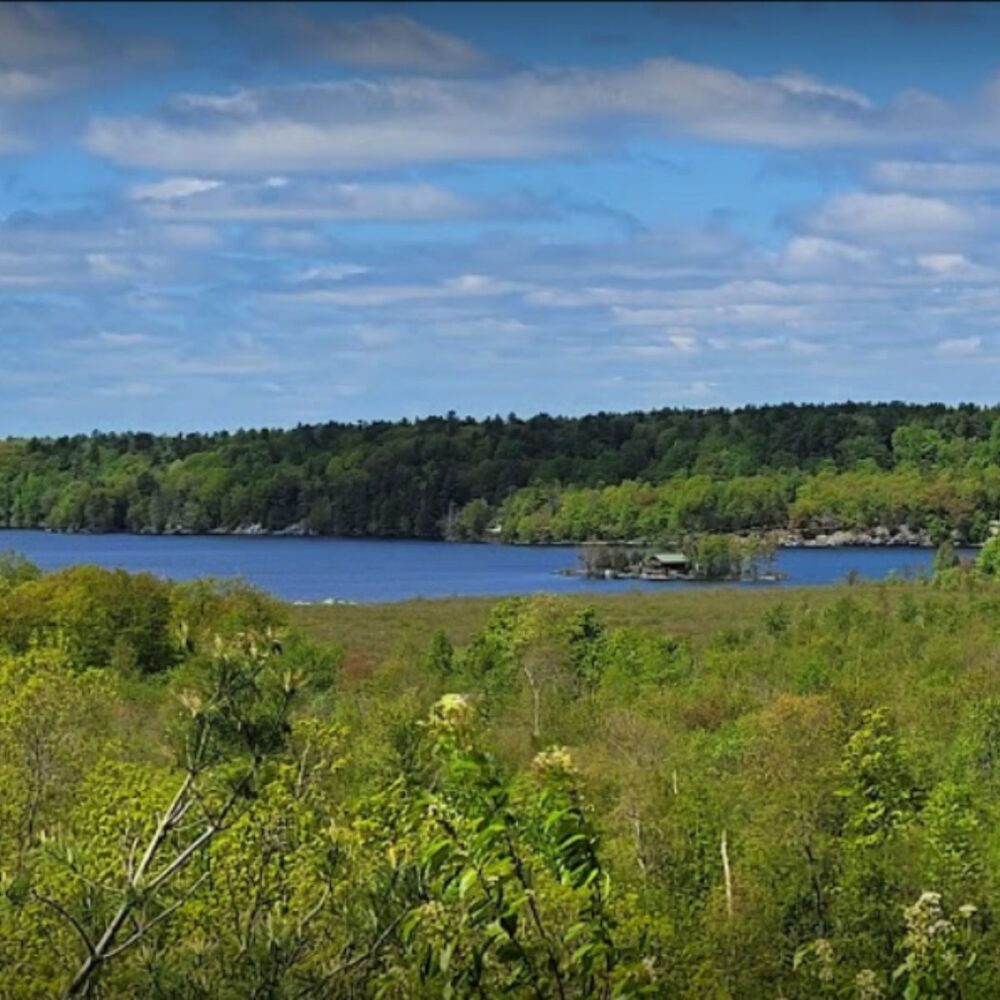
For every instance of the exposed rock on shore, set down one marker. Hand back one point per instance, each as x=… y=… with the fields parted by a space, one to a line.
x=904 y=535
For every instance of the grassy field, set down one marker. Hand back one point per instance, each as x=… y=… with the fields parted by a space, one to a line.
x=371 y=633
x=780 y=805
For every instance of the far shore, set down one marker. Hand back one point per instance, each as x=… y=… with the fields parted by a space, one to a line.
x=789 y=538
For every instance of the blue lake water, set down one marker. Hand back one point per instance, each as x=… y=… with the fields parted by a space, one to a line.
x=316 y=569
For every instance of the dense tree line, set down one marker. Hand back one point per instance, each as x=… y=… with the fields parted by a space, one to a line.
x=935 y=504
x=198 y=803
x=449 y=476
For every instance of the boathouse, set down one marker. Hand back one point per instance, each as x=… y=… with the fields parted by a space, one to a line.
x=663 y=565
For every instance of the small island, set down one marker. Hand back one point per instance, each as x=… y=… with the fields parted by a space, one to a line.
x=705 y=558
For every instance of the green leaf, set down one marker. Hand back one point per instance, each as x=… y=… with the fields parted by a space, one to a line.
x=466 y=882
x=444 y=959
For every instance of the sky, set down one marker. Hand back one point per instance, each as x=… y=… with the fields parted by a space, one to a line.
x=228 y=215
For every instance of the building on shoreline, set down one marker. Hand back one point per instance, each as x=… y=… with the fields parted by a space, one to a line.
x=665 y=565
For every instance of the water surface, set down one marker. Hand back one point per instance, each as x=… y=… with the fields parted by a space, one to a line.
x=316 y=569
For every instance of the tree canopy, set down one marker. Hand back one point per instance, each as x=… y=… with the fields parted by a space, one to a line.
x=454 y=477
x=555 y=805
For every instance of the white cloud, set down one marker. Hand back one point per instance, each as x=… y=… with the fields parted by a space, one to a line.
x=918 y=175
x=278 y=199
x=678 y=341
x=34 y=34
x=19 y=85
x=109 y=340
x=194 y=237
x=329 y=272
x=485 y=327
x=683 y=341
x=86 y=254
x=134 y=390
x=39 y=55
x=45 y=51
x=289 y=239
x=698 y=389
x=814 y=254
x=102 y=265
x=944 y=263
x=762 y=343
x=377 y=336
x=741 y=314
x=901 y=220
x=705 y=307
x=109 y=266
x=464 y=286
x=389 y=42
x=26 y=269
x=21 y=281
x=959 y=347
x=364 y=124
x=801 y=84
x=171 y=189
x=235 y=365
x=804 y=348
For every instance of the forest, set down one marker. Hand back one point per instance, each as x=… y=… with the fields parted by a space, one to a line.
x=807 y=468
x=794 y=794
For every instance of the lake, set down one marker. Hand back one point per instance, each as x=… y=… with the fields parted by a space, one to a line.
x=365 y=570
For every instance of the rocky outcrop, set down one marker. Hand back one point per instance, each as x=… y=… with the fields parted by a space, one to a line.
x=881 y=536
x=298 y=530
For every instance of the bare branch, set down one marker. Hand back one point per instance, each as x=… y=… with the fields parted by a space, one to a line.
x=307 y=917
x=144 y=929
x=216 y=826
x=66 y=915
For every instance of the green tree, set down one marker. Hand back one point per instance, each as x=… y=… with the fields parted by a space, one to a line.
x=473 y=519
x=917 y=445
x=440 y=657
x=235 y=718
x=988 y=559
x=15 y=569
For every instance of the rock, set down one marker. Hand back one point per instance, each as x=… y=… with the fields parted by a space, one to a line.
x=297 y=530
x=904 y=535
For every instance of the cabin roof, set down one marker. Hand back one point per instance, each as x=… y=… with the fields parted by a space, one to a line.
x=670 y=558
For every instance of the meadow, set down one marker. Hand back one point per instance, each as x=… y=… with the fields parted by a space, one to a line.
x=728 y=793
x=371 y=634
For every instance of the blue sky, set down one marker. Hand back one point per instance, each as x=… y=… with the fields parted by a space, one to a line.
x=218 y=215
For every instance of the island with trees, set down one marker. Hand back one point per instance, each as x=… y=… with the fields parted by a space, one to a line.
x=706 y=557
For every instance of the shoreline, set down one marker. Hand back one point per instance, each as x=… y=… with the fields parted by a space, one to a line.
x=904 y=537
